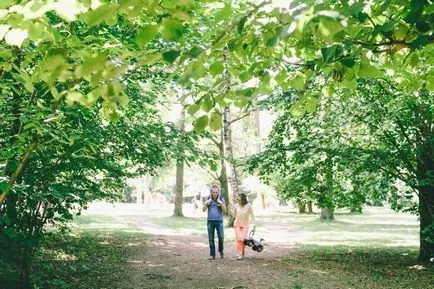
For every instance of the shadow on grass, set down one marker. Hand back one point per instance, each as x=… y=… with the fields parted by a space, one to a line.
x=92 y=255
x=314 y=266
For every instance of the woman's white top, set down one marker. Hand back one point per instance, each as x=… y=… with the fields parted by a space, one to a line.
x=242 y=215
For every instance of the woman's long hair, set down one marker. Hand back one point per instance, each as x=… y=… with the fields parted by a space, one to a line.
x=243 y=199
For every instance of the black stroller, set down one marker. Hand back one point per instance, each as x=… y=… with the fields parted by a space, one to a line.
x=251 y=242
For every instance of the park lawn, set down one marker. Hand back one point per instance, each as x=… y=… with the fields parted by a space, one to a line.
x=86 y=257
x=349 y=253
x=355 y=267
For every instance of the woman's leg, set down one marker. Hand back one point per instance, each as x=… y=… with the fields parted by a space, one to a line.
x=240 y=233
x=243 y=232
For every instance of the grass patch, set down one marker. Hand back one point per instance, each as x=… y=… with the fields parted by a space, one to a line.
x=85 y=259
x=357 y=268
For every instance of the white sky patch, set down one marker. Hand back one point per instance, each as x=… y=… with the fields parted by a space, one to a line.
x=16 y=37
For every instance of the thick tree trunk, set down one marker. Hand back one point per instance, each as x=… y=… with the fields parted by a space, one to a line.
x=425 y=171
x=327 y=214
x=301 y=205
x=327 y=206
x=426 y=209
x=425 y=167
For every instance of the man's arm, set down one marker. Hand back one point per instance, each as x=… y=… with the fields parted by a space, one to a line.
x=224 y=209
x=205 y=206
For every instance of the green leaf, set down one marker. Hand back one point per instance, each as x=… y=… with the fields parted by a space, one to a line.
x=200 y=123
x=430 y=82
x=245 y=76
x=149 y=59
x=311 y=104
x=4 y=186
x=216 y=68
x=215 y=121
x=297 y=82
x=146 y=34
x=328 y=27
x=100 y=14
x=195 y=70
x=213 y=167
x=75 y=96
x=172 y=30
x=367 y=70
x=281 y=77
x=414 y=60
x=171 y=55
x=421 y=41
x=224 y=13
x=192 y=109
x=296 y=110
x=7 y=3
x=208 y=103
x=329 y=54
x=240 y=26
x=349 y=62
x=194 y=52
x=242 y=101
x=10 y=232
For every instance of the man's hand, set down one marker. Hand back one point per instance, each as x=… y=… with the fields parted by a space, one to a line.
x=208 y=202
x=219 y=201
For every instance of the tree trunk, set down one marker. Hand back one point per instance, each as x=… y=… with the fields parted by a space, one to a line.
x=327 y=206
x=257 y=130
x=426 y=209
x=179 y=188
x=301 y=205
x=327 y=214
x=229 y=155
x=139 y=195
x=356 y=209
x=223 y=178
x=310 y=207
x=264 y=204
x=180 y=175
x=146 y=191
x=425 y=170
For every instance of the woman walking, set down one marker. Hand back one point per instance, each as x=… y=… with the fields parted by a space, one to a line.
x=242 y=211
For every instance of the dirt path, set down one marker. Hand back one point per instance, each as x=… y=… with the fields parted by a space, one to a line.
x=173 y=260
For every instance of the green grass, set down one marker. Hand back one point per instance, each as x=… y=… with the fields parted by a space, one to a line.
x=86 y=258
x=314 y=266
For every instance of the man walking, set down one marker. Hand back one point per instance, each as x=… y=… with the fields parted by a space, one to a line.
x=215 y=204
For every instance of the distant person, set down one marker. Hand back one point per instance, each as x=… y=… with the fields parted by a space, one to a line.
x=242 y=212
x=194 y=201
x=215 y=204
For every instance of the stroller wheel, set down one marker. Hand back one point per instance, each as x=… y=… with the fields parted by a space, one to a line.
x=259 y=249
x=250 y=243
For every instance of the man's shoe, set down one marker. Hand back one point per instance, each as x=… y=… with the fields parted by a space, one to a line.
x=240 y=258
x=211 y=257
x=222 y=255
